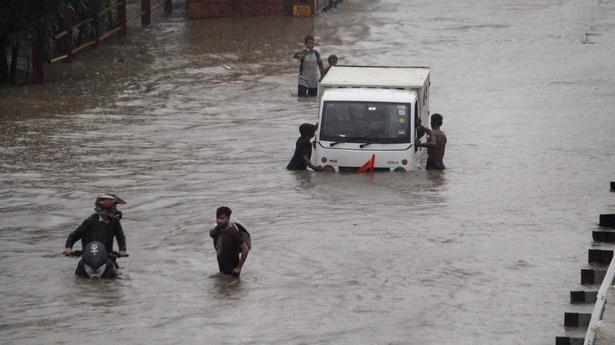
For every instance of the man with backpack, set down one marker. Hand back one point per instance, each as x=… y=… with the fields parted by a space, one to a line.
x=309 y=69
x=231 y=241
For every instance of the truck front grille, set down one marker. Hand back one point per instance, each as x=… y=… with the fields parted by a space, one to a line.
x=354 y=169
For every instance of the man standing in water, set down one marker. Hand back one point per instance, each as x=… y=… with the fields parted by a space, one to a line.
x=229 y=243
x=436 y=144
x=309 y=69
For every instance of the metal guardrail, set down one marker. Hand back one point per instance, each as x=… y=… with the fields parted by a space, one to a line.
x=142 y=13
x=65 y=37
x=116 y=6
x=600 y=304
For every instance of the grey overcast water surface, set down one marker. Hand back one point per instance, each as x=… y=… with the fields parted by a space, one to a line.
x=201 y=113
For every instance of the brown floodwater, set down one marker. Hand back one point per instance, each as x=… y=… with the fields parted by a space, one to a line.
x=189 y=115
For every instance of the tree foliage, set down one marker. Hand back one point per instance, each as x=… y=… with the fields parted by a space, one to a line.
x=20 y=20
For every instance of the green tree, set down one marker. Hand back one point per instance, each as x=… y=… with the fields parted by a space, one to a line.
x=19 y=21
x=23 y=20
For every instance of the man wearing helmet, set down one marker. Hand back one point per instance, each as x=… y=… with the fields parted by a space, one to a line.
x=101 y=226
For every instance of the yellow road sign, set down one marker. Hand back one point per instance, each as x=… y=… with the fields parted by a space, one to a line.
x=302 y=10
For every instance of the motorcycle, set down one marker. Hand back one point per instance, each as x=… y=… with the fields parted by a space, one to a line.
x=96 y=262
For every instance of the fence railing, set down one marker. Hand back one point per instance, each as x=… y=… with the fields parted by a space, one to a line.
x=66 y=40
x=600 y=304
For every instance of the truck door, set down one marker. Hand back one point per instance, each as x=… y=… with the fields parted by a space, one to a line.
x=418 y=131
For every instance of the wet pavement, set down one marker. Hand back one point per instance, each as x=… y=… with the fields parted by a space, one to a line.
x=189 y=115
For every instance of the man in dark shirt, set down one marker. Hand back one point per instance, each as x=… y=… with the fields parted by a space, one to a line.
x=303 y=149
x=101 y=226
x=229 y=243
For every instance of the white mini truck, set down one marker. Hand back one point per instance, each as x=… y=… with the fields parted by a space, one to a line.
x=368 y=118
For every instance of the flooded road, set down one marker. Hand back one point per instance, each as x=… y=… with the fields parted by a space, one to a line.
x=191 y=115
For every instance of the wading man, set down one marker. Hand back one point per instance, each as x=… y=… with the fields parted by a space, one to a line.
x=231 y=247
x=303 y=149
x=309 y=69
x=436 y=144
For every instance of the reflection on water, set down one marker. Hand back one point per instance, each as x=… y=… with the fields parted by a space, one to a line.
x=102 y=292
x=227 y=287
x=199 y=114
x=305 y=179
x=437 y=177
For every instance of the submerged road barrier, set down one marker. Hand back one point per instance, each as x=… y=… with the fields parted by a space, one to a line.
x=600 y=256
x=604 y=236
x=582 y=325
x=607 y=220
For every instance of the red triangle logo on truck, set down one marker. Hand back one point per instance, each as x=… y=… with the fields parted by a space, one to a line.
x=369 y=165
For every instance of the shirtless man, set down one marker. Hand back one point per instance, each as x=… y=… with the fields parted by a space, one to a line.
x=436 y=143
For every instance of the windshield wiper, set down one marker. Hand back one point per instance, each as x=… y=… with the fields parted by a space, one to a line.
x=339 y=142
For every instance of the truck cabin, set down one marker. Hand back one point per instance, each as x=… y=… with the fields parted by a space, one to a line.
x=370 y=114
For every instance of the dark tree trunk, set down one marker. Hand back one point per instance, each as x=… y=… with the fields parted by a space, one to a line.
x=4 y=62
x=110 y=24
x=123 y=17
x=37 y=59
x=13 y=71
x=146 y=8
x=67 y=24
x=96 y=30
x=168 y=6
x=80 y=35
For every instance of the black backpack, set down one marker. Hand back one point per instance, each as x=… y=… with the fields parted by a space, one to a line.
x=245 y=235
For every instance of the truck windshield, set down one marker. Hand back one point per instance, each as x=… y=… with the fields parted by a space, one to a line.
x=365 y=122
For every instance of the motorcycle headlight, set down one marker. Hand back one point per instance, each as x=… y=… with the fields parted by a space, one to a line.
x=92 y=273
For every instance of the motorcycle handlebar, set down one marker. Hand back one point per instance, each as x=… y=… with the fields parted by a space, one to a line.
x=113 y=254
